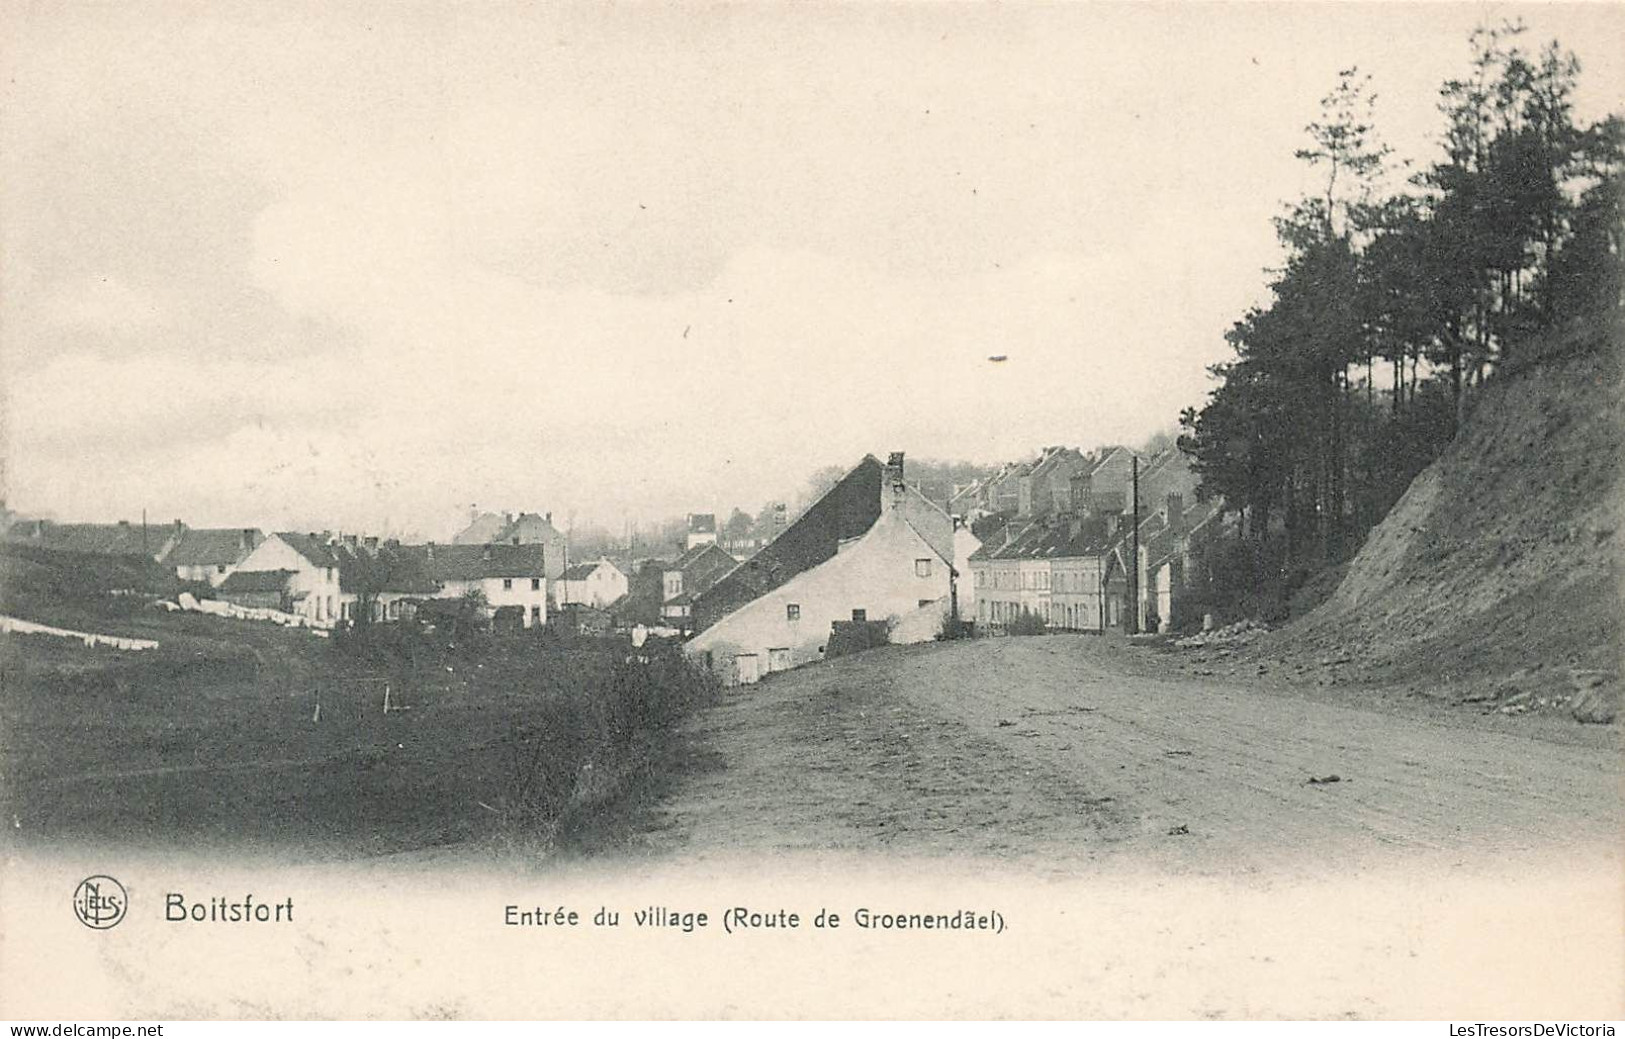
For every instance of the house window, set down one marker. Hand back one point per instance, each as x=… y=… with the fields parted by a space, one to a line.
x=922 y=568
x=220 y=568
x=926 y=602
x=507 y=584
x=535 y=584
x=792 y=611
x=860 y=615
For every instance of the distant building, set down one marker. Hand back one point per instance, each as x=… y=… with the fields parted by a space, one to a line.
x=702 y=529
x=381 y=583
x=261 y=589
x=310 y=585
x=1002 y=492
x=1046 y=487
x=597 y=584
x=505 y=574
x=527 y=528
x=211 y=554
x=134 y=540
x=1073 y=571
x=693 y=573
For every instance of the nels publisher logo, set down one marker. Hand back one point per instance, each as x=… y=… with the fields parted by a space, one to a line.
x=99 y=902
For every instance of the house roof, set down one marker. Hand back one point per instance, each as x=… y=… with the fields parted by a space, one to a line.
x=392 y=569
x=311 y=546
x=476 y=562
x=1044 y=541
x=529 y=528
x=482 y=529
x=702 y=566
x=1161 y=545
x=702 y=523
x=1108 y=501
x=102 y=539
x=213 y=547
x=1052 y=459
x=582 y=571
x=256 y=581
x=846 y=510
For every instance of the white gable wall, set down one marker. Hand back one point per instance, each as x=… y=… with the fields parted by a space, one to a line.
x=319 y=585
x=875 y=573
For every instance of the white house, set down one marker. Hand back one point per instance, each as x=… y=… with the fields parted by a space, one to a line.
x=211 y=555
x=897 y=570
x=507 y=575
x=310 y=585
x=595 y=584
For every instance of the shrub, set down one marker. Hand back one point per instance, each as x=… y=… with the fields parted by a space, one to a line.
x=1027 y=623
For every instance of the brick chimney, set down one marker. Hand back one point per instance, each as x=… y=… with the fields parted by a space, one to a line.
x=1176 y=512
x=1083 y=495
x=893 y=489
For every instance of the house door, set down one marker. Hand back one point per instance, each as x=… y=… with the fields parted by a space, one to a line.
x=778 y=660
x=749 y=667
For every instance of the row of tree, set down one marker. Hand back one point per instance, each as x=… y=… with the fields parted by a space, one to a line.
x=1392 y=307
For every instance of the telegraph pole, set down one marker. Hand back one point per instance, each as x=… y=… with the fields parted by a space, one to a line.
x=1134 y=540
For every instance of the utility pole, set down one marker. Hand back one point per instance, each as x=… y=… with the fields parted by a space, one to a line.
x=1134 y=558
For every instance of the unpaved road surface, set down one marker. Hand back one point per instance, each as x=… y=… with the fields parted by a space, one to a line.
x=1052 y=750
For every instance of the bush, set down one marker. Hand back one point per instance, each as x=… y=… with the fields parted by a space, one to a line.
x=848 y=637
x=1027 y=623
x=586 y=746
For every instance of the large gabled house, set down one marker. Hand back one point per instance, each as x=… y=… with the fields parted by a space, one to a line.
x=871 y=549
x=309 y=570
x=506 y=575
x=527 y=528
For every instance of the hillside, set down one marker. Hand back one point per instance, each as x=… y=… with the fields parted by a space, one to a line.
x=1498 y=572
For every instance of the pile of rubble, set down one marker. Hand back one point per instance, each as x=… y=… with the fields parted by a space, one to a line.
x=1238 y=634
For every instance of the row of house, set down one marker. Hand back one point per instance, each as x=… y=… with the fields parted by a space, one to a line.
x=1056 y=481
x=329 y=580
x=1071 y=570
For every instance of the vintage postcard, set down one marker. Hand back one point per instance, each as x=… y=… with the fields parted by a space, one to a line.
x=862 y=510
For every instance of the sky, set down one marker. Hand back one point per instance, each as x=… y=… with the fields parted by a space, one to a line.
x=363 y=266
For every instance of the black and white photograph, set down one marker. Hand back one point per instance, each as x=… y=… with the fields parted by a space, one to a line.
x=875 y=510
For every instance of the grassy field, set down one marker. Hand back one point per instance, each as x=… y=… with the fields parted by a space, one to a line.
x=213 y=740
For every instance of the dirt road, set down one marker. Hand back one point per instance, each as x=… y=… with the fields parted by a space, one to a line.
x=1049 y=749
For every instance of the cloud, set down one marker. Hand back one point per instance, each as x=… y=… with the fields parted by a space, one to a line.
x=103 y=303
